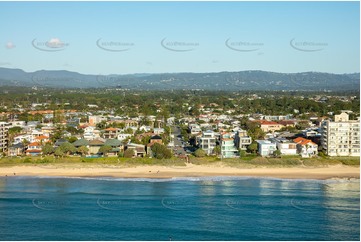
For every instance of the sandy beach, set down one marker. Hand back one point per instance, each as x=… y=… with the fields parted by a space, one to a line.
x=339 y=171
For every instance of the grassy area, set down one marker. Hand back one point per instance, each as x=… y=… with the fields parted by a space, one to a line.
x=244 y=162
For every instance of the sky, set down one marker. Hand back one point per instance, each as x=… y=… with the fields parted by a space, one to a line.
x=169 y=37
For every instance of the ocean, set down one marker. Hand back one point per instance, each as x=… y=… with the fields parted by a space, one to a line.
x=209 y=208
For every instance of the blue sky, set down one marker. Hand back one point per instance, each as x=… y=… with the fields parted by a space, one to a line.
x=154 y=37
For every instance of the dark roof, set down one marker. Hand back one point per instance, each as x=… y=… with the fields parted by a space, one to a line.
x=96 y=142
x=156 y=137
x=81 y=142
x=113 y=142
x=17 y=146
x=60 y=141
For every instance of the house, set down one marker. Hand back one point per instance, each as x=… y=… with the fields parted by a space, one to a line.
x=269 y=126
x=266 y=147
x=116 y=145
x=285 y=146
x=94 y=145
x=195 y=131
x=47 y=130
x=90 y=133
x=111 y=133
x=42 y=139
x=159 y=131
x=122 y=137
x=34 y=149
x=22 y=137
x=93 y=120
x=153 y=140
x=228 y=148
x=59 y=142
x=287 y=123
x=305 y=147
x=139 y=150
x=81 y=142
x=36 y=133
x=310 y=133
x=242 y=140
x=16 y=150
x=145 y=128
x=207 y=141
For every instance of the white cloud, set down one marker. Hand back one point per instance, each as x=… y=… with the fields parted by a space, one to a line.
x=10 y=45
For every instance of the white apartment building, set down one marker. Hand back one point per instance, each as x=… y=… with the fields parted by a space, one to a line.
x=4 y=128
x=286 y=147
x=207 y=141
x=266 y=147
x=341 y=137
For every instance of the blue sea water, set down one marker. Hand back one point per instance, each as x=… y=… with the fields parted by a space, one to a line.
x=219 y=208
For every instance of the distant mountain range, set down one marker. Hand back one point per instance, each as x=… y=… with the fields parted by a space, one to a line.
x=228 y=81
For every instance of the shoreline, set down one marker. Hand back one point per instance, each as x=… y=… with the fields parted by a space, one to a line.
x=166 y=172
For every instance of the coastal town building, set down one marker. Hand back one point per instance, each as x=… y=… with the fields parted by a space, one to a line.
x=228 y=148
x=207 y=141
x=341 y=137
x=285 y=146
x=269 y=126
x=4 y=128
x=266 y=147
x=33 y=149
x=242 y=140
x=305 y=147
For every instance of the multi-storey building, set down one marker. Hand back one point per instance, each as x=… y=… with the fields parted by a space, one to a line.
x=242 y=140
x=228 y=148
x=341 y=137
x=4 y=128
x=285 y=146
x=266 y=147
x=207 y=141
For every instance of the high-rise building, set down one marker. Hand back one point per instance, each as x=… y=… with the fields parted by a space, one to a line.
x=341 y=137
x=4 y=132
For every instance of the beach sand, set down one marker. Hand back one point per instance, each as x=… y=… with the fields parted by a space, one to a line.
x=338 y=171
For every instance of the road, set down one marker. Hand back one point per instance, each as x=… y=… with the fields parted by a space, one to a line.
x=178 y=148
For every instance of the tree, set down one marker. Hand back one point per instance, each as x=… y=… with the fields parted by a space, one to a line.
x=128 y=153
x=83 y=150
x=277 y=153
x=58 y=152
x=242 y=153
x=13 y=132
x=47 y=149
x=253 y=147
x=72 y=139
x=57 y=135
x=25 y=142
x=160 y=151
x=200 y=153
x=67 y=148
x=217 y=150
x=105 y=149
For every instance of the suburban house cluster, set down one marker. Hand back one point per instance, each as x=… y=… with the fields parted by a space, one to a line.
x=216 y=134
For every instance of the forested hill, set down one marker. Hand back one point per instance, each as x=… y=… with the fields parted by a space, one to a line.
x=228 y=81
